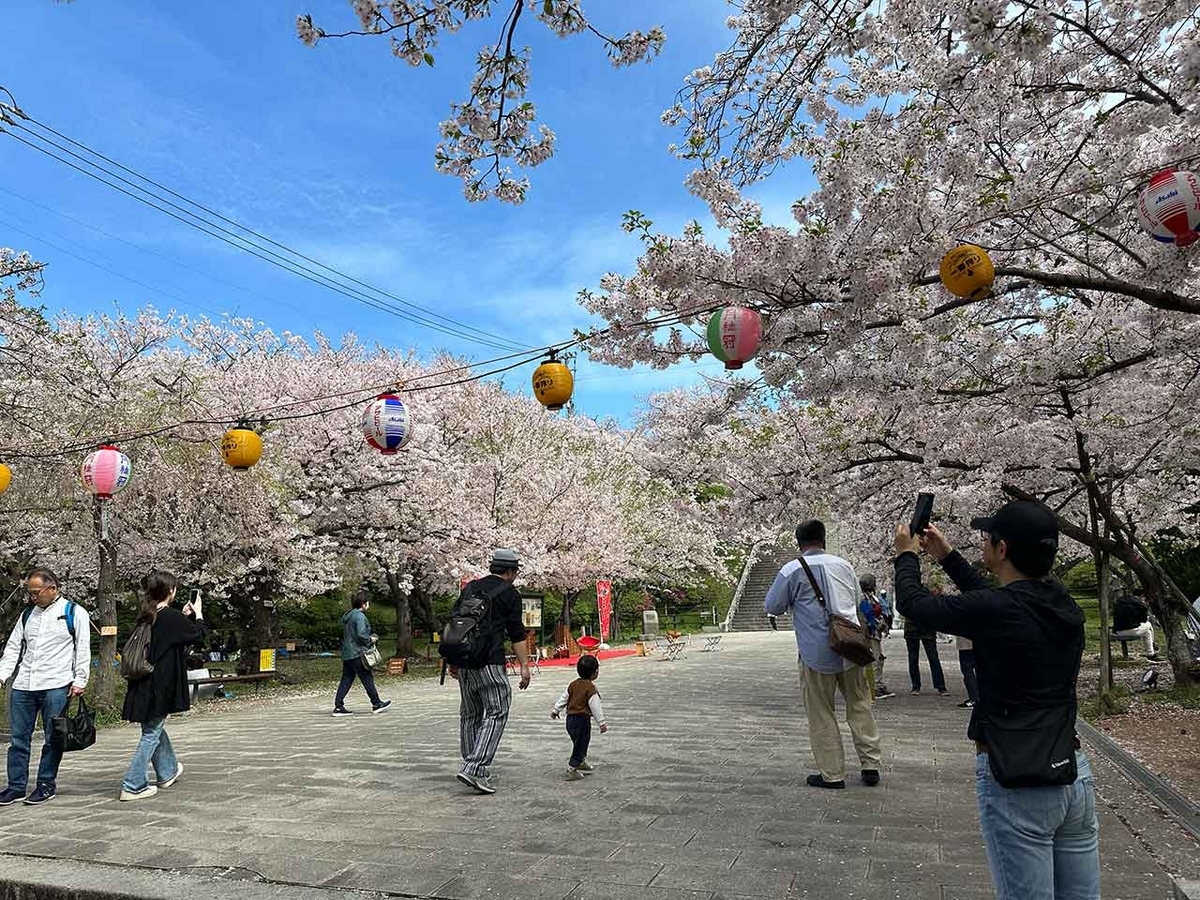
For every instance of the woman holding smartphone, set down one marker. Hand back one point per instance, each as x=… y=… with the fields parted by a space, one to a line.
x=165 y=690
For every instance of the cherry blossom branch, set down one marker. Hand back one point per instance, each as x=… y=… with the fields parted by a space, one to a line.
x=494 y=126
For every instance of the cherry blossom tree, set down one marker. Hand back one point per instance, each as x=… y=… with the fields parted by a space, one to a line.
x=493 y=126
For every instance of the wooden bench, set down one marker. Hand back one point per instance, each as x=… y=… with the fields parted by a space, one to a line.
x=257 y=679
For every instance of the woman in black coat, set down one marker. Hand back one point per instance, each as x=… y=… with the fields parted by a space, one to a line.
x=164 y=691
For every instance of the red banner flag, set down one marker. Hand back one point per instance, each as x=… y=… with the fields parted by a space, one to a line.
x=604 y=606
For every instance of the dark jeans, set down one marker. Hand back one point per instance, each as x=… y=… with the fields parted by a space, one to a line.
x=351 y=669
x=966 y=662
x=22 y=716
x=579 y=727
x=935 y=664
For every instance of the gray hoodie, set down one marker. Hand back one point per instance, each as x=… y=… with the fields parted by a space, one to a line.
x=356 y=634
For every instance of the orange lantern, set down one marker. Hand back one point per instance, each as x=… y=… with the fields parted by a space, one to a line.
x=241 y=448
x=5 y=477
x=967 y=272
x=553 y=384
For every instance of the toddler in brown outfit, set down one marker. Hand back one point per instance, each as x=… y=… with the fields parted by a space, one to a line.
x=581 y=700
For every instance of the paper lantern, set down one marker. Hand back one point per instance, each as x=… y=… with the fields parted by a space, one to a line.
x=553 y=384
x=5 y=477
x=241 y=448
x=386 y=424
x=1169 y=207
x=106 y=471
x=733 y=335
x=967 y=272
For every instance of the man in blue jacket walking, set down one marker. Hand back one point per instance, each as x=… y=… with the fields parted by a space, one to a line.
x=357 y=640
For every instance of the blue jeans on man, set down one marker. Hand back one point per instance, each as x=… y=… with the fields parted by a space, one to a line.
x=23 y=711
x=1043 y=843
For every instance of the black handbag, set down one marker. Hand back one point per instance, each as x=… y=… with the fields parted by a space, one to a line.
x=77 y=732
x=1032 y=747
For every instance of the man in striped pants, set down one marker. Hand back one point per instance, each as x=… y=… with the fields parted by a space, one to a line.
x=486 y=695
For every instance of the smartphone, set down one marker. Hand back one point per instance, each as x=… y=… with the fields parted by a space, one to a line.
x=924 y=511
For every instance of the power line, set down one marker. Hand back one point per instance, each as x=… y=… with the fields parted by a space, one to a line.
x=386 y=302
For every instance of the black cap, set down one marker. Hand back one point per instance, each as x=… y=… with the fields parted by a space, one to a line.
x=1024 y=524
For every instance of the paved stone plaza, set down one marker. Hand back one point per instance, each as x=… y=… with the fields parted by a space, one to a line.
x=699 y=793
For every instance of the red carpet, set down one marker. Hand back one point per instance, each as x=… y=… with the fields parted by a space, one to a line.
x=602 y=655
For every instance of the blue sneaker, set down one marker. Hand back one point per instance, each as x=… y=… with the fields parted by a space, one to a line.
x=10 y=796
x=43 y=794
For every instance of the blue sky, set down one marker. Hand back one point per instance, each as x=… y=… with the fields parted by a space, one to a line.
x=329 y=150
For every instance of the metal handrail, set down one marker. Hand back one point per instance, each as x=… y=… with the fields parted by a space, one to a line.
x=751 y=559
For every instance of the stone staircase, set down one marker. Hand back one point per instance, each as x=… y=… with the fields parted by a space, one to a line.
x=749 y=615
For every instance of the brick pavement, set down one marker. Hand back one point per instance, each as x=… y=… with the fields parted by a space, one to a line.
x=699 y=794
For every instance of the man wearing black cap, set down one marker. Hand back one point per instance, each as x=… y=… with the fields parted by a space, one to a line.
x=1037 y=807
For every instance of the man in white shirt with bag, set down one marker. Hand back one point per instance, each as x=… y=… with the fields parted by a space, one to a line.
x=822 y=671
x=48 y=657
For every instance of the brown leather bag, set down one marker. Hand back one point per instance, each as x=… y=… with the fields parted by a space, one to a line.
x=847 y=639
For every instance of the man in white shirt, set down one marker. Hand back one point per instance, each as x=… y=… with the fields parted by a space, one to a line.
x=822 y=671
x=48 y=656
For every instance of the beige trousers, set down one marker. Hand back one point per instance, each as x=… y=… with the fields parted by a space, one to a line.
x=823 y=733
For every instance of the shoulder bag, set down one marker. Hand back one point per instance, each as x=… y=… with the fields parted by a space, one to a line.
x=1032 y=747
x=847 y=639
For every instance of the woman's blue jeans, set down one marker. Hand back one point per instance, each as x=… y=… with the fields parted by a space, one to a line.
x=154 y=749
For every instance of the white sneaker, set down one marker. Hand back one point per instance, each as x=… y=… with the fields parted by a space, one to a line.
x=174 y=778
x=144 y=794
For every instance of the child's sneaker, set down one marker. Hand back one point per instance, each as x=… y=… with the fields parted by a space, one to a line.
x=586 y=767
x=574 y=774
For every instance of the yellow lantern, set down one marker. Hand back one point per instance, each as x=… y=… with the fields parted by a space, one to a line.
x=967 y=272
x=553 y=384
x=241 y=448
x=5 y=477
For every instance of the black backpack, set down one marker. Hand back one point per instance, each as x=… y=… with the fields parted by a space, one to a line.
x=471 y=636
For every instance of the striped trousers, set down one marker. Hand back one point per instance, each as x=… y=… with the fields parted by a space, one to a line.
x=486 y=699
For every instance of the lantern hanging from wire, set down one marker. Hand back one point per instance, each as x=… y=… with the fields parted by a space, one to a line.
x=105 y=472
x=5 y=478
x=967 y=272
x=387 y=424
x=734 y=334
x=241 y=447
x=553 y=383
x=1169 y=207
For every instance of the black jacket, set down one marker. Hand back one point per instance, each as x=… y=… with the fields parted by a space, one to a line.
x=1028 y=636
x=1128 y=614
x=165 y=691
x=507 y=623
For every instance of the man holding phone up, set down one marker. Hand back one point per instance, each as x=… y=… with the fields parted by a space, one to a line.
x=1037 y=807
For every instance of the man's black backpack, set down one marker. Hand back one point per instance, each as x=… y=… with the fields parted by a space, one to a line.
x=471 y=636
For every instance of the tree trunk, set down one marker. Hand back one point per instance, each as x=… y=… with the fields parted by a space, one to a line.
x=106 y=604
x=421 y=605
x=404 y=635
x=564 y=617
x=259 y=637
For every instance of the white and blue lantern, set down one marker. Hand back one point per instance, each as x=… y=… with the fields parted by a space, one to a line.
x=386 y=424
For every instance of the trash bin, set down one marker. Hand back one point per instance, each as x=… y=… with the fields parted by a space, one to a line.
x=640 y=647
